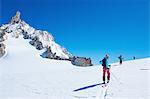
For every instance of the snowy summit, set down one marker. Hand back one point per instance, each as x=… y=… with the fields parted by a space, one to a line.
x=18 y=28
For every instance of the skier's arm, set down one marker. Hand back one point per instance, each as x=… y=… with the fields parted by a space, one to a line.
x=100 y=62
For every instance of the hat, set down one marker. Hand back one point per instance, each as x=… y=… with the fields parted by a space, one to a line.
x=107 y=56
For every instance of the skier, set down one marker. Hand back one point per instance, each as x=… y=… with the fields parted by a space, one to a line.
x=120 y=59
x=106 y=68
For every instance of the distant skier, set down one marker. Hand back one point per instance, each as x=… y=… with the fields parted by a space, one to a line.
x=120 y=59
x=106 y=68
x=134 y=57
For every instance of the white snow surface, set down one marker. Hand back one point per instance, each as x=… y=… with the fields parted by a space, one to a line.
x=26 y=75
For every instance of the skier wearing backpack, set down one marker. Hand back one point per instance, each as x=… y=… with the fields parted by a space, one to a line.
x=106 y=68
x=120 y=59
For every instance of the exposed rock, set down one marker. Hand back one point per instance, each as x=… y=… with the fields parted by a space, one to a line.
x=25 y=35
x=38 y=44
x=2 y=49
x=43 y=36
x=48 y=54
x=16 y=18
x=81 y=61
x=3 y=36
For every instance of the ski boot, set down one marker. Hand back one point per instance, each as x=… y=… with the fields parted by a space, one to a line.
x=103 y=82
x=107 y=81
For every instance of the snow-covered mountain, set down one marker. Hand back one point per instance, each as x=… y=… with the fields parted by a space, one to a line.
x=24 y=74
x=17 y=27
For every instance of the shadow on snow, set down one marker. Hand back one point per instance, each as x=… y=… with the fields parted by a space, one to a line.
x=87 y=87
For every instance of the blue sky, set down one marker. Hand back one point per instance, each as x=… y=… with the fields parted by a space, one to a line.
x=88 y=28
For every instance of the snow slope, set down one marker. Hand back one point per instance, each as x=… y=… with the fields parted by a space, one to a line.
x=46 y=38
x=25 y=75
x=131 y=80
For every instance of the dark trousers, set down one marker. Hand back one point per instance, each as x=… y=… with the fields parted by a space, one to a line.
x=120 y=61
x=106 y=70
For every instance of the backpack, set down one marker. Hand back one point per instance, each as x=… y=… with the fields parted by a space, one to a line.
x=104 y=62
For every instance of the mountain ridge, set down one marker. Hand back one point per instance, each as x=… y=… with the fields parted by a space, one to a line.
x=44 y=39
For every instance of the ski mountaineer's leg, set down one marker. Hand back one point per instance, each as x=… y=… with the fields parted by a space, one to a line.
x=108 y=75
x=104 y=72
x=121 y=62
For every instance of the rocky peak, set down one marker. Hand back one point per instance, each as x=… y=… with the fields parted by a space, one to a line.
x=38 y=38
x=16 y=18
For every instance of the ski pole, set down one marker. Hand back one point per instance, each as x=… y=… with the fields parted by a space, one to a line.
x=115 y=77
